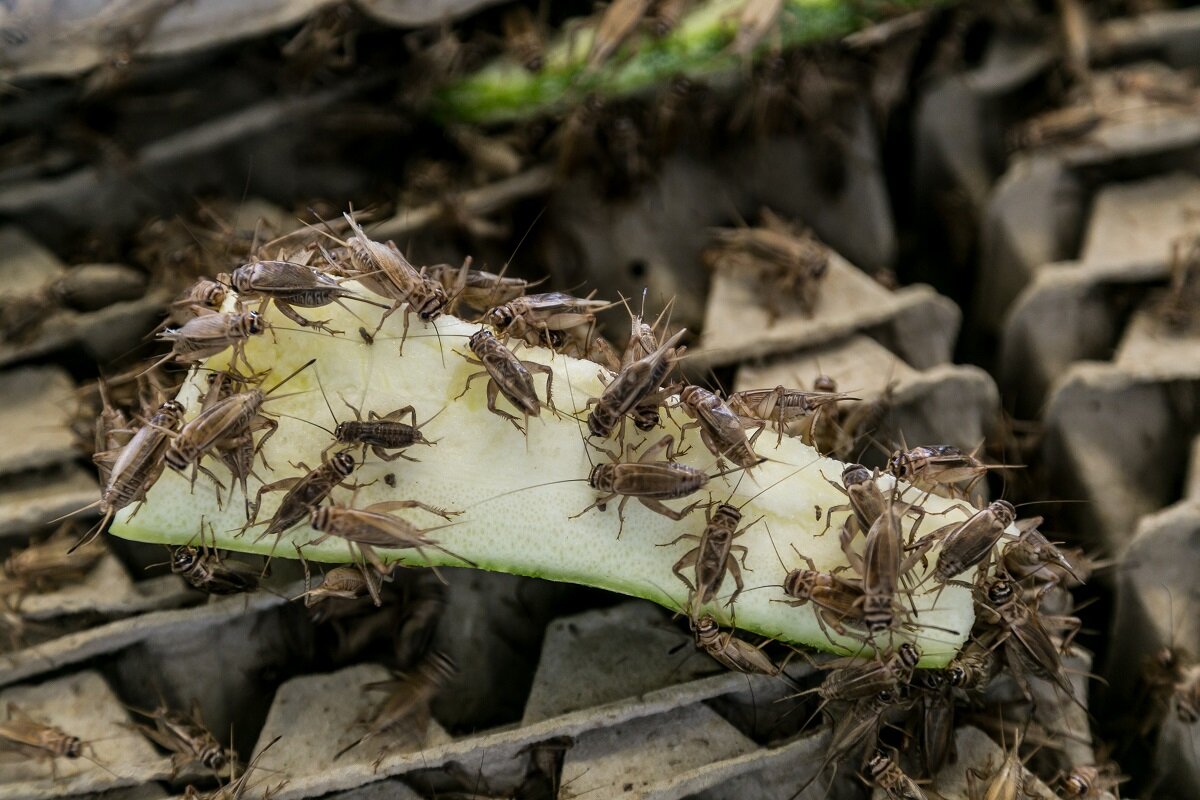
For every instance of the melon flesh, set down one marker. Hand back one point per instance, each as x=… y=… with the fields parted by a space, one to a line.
x=517 y=492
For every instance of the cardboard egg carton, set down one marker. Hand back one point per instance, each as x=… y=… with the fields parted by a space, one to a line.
x=1155 y=603
x=1115 y=387
x=45 y=44
x=104 y=333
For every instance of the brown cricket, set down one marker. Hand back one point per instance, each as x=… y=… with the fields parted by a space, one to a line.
x=712 y=557
x=372 y=526
x=720 y=429
x=834 y=431
x=935 y=718
x=384 y=270
x=643 y=337
x=790 y=263
x=643 y=340
x=972 y=668
x=837 y=601
x=1179 y=309
x=237 y=451
x=882 y=566
x=885 y=773
x=866 y=498
x=286 y=285
x=185 y=736
x=633 y=387
x=1032 y=555
x=222 y=423
x=649 y=481
x=1007 y=783
x=824 y=430
x=210 y=333
x=934 y=466
x=475 y=287
x=382 y=433
x=778 y=407
x=559 y=321
x=425 y=598
x=304 y=493
x=861 y=723
x=863 y=420
x=205 y=569
x=507 y=375
x=135 y=467
x=1173 y=676
x=347 y=582
x=237 y=787
x=966 y=544
x=25 y=736
x=603 y=353
x=112 y=432
x=731 y=652
x=51 y=564
x=852 y=679
x=409 y=699
x=1020 y=631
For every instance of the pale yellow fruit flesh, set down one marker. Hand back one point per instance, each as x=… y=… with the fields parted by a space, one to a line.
x=518 y=493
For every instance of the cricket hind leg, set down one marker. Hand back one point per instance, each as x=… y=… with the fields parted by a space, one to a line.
x=688 y=558
x=398 y=414
x=667 y=511
x=542 y=369
x=384 y=455
x=735 y=569
x=294 y=316
x=493 y=393
x=270 y=426
x=395 y=505
x=278 y=486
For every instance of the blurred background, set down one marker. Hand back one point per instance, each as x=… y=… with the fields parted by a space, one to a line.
x=1009 y=197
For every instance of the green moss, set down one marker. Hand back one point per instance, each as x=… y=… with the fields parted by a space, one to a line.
x=698 y=48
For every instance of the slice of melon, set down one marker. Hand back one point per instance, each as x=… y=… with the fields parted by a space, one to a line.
x=518 y=493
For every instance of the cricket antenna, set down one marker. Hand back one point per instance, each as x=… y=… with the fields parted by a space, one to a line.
x=308 y=421
x=295 y=372
x=790 y=475
x=575 y=416
x=325 y=397
x=524 y=236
